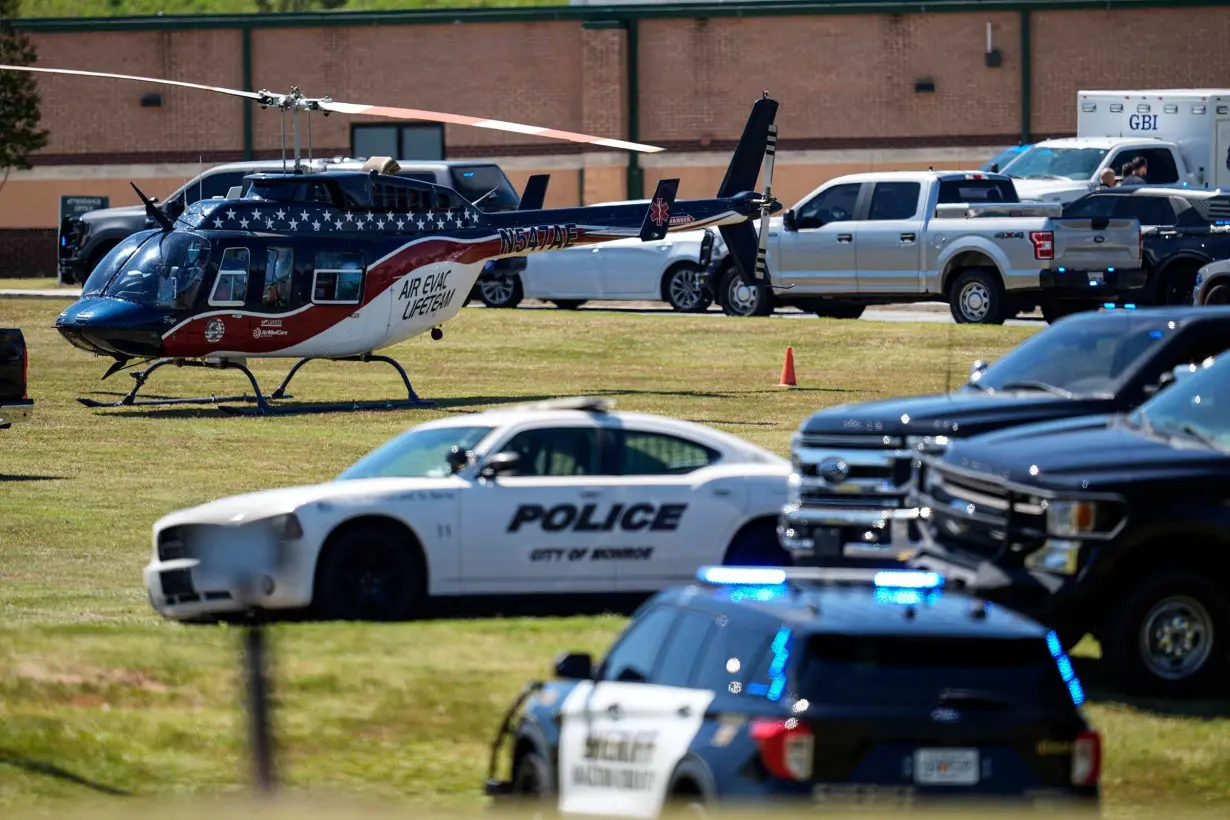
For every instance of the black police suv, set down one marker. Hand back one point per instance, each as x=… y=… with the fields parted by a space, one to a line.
x=805 y=684
x=1116 y=525
x=1181 y=230
x=854 y=463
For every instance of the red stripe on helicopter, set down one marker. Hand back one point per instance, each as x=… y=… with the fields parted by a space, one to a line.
x=256 y=333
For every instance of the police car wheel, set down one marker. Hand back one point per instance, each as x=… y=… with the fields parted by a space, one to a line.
x=977 y=298
x=1219 y=295
x=500 y=291
x=757 y=545
x=1169 y=635
x=532 y=778
x=369 y=574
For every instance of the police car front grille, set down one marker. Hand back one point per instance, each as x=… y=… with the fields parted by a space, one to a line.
x=982 y=516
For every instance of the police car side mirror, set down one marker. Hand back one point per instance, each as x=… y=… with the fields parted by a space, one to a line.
x=574 y=666
x=506 y=463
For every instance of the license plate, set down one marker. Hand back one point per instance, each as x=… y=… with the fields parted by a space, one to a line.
x=826 y=541
x=946 y=767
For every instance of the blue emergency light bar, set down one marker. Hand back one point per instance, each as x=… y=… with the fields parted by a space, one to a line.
x=774 y=576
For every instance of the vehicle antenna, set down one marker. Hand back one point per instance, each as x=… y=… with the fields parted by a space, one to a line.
x=282 y=112
x=200 y=176
x=309 y=135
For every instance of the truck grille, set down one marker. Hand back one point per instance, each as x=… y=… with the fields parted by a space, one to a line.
x=854 y=470
x=982 y=516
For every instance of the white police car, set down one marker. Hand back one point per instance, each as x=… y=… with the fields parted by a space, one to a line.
x=559 y=498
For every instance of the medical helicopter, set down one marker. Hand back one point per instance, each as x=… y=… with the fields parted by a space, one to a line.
x=337 y=265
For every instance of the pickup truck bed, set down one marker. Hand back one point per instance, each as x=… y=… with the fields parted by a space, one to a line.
x=15 y=404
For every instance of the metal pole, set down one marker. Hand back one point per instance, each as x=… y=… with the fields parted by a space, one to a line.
x=632 y=77
x=260 y=732
x=294 y=124
x=246 y=52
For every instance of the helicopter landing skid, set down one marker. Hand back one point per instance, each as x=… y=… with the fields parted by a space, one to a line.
x=141 y=377
x=264 y=408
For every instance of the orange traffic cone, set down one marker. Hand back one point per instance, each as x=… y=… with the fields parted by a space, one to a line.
x=788 y=379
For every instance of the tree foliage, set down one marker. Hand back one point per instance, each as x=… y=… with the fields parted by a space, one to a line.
x=20 y=134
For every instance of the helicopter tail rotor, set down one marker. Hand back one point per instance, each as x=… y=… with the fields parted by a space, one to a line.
x=756 y=151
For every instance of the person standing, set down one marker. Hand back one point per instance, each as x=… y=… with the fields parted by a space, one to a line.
x=1108 y=178
x=1134 y=172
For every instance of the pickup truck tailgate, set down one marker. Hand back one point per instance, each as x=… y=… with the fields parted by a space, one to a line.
x=1096 y=244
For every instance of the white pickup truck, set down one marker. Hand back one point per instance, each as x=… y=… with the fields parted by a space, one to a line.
x=918 y=236
x=1064 y=170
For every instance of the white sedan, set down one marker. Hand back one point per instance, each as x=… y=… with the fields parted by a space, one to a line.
x=627 y=270
x=558 y=498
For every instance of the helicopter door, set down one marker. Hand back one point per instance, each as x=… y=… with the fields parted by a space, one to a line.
x=229 y=326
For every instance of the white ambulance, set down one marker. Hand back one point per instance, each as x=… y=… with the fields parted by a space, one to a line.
x=1184 y=135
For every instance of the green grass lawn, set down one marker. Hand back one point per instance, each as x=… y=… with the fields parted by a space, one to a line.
x=98 y=694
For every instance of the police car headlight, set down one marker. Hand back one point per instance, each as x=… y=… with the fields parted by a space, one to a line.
x=285 y=527
x=1082 y=519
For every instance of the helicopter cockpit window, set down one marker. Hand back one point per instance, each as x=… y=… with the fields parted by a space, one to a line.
x=231 y=286
x=113 y=262
x=279 y=266
x=338 y=278
x=166 y=272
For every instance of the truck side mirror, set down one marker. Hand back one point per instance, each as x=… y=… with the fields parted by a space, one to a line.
x=574 y=666
x=506 y=463
x=994 y=167
x=790 y=221
x=458 y=459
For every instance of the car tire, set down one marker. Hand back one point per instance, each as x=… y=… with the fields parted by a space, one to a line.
x=1169 y=635
x=684 y=289
x=568 y=304
x=738 y=298
x=1219 y=295
x=757 y=545
x=977 y=298
x=531 y=779
x=1175 y=285
x=371 y=572
x=838 y=310
x=501 y=291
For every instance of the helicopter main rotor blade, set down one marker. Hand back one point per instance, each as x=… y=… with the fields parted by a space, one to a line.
x=479 y=122
x=252 y=95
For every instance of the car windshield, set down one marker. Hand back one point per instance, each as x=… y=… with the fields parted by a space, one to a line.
x=931 y=672
x=110 y=264
x=416 y=453
x=1196 y=408
x=1082 y=355
x=1040 y=162
x=166 y=272
x=1002 y=158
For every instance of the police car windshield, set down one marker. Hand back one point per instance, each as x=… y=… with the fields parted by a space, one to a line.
x=112 y=263
x=415 y=454
x=1040 y=162
x=166 y=272
x=930 y=672
x=1194 y=409
x=1081 y=356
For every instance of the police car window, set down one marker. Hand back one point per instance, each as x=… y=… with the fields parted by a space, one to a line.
x=683 y=648
x=642 y=453
x=556 y=451
x=867 y=670
x=734 y=658
x=633 y=657
x=1092 y=206
x=415 y=454
x=1149 y=210
x=894 y=200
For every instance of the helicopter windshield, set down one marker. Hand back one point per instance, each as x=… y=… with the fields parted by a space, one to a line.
x=110 y=264
x=165 y=273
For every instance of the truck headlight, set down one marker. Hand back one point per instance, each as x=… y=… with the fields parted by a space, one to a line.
x=1061 y=557
x=1078 y=518
x=794 y=491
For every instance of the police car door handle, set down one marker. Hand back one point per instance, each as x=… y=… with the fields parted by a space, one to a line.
x=591 y=493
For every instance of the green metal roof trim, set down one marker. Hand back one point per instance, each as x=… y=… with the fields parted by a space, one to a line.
x=535 y=14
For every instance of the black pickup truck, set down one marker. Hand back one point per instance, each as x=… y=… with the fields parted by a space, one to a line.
x=848 y=498
x=1181 y=230
x=15 y=401
x=1115 y=525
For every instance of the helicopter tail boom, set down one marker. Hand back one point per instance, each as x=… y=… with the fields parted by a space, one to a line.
x=756 y=150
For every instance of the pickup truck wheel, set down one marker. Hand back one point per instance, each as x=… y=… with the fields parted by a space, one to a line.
x=684 y=289
x=1177 y=283
x=1170 y=635
x=501 y=291
x=568 y=304
x=977 y=298
x=741 y=299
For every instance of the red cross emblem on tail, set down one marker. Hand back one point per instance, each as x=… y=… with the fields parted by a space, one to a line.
x=659 y=212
